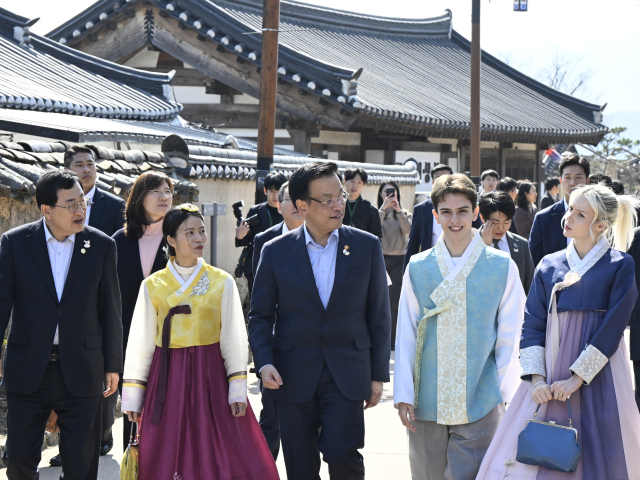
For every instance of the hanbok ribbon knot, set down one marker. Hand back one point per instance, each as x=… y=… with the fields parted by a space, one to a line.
x=422 y=333
x=163 y=378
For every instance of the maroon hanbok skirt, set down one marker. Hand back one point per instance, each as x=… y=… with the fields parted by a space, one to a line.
x=197 y=437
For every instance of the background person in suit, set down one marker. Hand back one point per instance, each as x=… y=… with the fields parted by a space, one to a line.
x=552 y=189
x=359 y=213
x=510 y=186
x=269 y=216
x=326 y=284
x=292 y=220
x=425 y=230
x=64 y=351
x=546 y=233
x=489 y=180
x=141 y=248
x=634 y=322
x=106 y=213
x=497 y=210
x=525 y=208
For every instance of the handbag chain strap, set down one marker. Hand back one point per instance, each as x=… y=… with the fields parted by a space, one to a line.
x=568 y=405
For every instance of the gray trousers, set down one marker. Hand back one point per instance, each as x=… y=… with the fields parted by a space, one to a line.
x=451 y=452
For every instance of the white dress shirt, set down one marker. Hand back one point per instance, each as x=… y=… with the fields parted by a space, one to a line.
x=503 y=244
x=89 y=197
x=60 y=259
x=436 y=231
x=323 y=263
x=285 y=229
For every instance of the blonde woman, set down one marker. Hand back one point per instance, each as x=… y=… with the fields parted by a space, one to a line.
x=572 y=346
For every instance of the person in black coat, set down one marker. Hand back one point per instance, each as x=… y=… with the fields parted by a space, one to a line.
x=141 y=247
x=425 y=230
x=360 y=213
x=552 y=188
x=292 y=220
x=59 y=286
x=328 y=353
x=268 y=215
x=634 y=322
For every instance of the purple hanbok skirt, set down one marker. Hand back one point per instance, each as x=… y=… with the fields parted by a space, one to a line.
x=197 y=437
x=604 y=413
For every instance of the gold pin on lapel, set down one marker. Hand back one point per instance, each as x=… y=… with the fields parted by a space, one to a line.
x=346 y=250
x=83 y=251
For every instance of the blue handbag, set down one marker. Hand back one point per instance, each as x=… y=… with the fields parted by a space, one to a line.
x=549 y=445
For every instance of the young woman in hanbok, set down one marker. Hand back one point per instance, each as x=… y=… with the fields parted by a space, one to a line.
x=572 y=347
x=185 y=378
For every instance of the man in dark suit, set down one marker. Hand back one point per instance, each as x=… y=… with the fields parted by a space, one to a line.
x=497 y=210
x=292 y=220
x=552 y=188
x=106 y=213
x=634 y=322
x=425 y=231
x=546 y=233
x=329 y=350
x=64 y=350
x=360 y=213
x=267 y=214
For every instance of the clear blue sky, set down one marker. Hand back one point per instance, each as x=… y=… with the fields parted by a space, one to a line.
x=606 y=33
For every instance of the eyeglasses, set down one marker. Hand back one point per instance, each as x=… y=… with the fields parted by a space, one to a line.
x=342 y=200
x=161 y=193
x=73 y=209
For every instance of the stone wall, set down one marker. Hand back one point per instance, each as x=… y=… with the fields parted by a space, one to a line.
x=14 y=213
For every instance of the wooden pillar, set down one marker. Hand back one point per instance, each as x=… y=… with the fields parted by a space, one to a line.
x=475 y=90
x=268 y=91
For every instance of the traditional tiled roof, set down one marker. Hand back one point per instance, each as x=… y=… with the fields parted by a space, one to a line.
x=22 y=164
x=414 y=73
x=86 y=130
x=39 y=74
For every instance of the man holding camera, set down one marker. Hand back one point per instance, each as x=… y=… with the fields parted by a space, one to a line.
x=259 y=218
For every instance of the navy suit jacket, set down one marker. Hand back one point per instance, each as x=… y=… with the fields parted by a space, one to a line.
x=634 y=323
x=260 y=240
x=546 y=233
x=87 y=314
x=107 y=212
x=422 y=230
x=352 y=335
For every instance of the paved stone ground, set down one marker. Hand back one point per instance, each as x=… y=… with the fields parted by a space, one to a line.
x=385 y=453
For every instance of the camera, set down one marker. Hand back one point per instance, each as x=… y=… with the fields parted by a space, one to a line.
x=237 y=211
x=391 y=192
x=253 y=221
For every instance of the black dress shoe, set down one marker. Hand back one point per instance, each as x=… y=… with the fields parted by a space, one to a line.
x=55 y=461
x=105 y=447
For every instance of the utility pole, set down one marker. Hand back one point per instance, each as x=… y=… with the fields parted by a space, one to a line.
x=475 y=90
x=268 y=90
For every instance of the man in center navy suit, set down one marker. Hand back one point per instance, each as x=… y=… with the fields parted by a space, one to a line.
x=328 y=351
x=425 y=231
x=547 y=235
